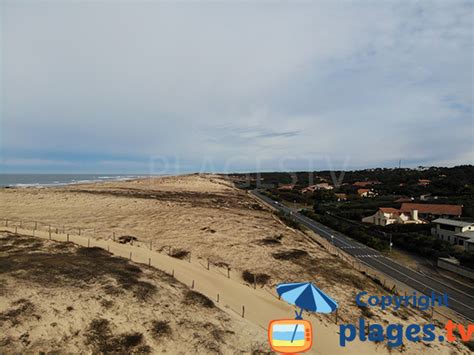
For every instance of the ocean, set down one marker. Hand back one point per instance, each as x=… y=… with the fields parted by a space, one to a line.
x=43 y=180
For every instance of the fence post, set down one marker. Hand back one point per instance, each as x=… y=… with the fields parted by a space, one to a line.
x=217 y=298
x=336 y=315
x=149 y=261
x=49 y=234
x=192 y=286
x=68 y=237
x=15 y=229
x=113 y=236
x=79 y=231
x=6 y=222
x=172 y=274
x=63 y=228
x=208 y=263
x=254 y=281
x=243 y=311
x=189 y=259
x=88 y=242
x=130 y=255
x=36 y=225
x=150 y=245
x=228 y=272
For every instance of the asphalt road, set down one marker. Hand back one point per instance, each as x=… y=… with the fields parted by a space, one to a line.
x=461 y=299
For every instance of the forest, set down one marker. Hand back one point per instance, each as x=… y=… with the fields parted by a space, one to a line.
x=390 y=187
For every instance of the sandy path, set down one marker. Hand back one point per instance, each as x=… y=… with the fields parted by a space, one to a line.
x=261 y=305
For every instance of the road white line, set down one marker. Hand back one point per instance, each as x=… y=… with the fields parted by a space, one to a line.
x=435 y=280
x=421 y=275
x=307 y=220
x=312 y=224
x=421 y=283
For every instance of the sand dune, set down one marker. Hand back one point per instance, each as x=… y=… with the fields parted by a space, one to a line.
x=208 y=219
x=65 y=298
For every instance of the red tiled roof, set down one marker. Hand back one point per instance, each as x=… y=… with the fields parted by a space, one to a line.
x=365 y=183
x=361 y=191
x=452 y=210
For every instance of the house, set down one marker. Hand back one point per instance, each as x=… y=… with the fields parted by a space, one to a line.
x=320 y=186
x=365 y=193
x=365 y=183
x=388 y=215
x=424 y=182
x=466 y=239
x=425 y=197
x=286 y=187
x=341 y=197
x=403 y=199
x=430 y=211
x=455 y=232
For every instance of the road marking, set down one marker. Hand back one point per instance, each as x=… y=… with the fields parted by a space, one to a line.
x=435 y=280
x=321 y=229
x=421 y=283
x=349 y=246
x=324 y=229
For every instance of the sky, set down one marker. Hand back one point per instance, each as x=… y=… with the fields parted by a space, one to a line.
x=234 y=86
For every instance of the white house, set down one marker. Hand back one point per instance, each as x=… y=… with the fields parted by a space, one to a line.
x=320 y=186
x=455 y=232
x=466 y=239
x=365 y=193
x=388 y=215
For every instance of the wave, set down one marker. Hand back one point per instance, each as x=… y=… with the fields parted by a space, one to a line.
x=73 y=180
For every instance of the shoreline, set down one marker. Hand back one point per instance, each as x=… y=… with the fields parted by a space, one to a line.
x=94 y=179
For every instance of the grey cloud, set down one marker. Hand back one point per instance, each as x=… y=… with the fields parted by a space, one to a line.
x=376 y=81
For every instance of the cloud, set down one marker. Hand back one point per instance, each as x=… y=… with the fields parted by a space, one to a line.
x=242 y=85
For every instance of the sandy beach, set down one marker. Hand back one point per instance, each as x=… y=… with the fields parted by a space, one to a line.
x=206 y=220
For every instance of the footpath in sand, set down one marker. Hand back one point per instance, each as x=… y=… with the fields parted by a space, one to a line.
x=260 y=306
x=206 y=217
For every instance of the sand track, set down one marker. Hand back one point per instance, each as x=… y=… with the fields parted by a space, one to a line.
x=208 y=218
x=261 y=305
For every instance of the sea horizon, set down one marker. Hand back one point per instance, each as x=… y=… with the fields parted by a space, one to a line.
x=61 y=179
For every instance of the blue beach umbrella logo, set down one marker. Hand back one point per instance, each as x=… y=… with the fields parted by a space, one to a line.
x=307 y=297
x=289 y=336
